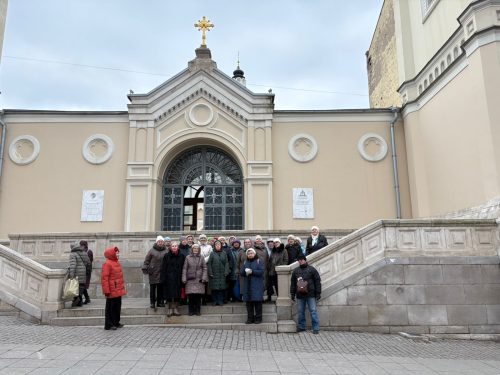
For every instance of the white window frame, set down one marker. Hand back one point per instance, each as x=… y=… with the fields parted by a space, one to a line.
x=427 y=7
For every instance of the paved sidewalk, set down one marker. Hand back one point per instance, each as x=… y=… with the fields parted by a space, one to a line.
x=27 y=348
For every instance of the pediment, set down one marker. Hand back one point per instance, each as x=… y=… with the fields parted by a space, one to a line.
x=206 y=82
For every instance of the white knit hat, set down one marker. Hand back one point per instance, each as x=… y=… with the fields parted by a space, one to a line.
x=252 y=250
x=160 y=238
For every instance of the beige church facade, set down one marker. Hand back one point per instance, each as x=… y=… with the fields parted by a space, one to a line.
x=202 y=152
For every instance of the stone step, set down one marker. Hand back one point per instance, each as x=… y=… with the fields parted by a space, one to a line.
x=136 y=312
x=96 y=310
x=184 y=320
x=194 y=322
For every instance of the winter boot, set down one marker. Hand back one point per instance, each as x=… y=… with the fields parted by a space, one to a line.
x=169 y=309
x=175 y=312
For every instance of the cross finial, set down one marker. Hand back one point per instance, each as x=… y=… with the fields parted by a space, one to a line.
x=203 y=25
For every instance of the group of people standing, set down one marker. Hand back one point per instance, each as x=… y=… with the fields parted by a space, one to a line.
x=220 y=270
x=214 y=268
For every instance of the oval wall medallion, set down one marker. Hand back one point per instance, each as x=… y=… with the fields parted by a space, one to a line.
x=372 y=147
x=201 y=114
x=24 y=149
x=302 y=148
x=98 y=148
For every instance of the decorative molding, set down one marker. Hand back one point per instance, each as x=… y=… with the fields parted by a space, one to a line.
x=203 y=93
x=334 y=116
x=200 y=114
x=379 y=141
x=93 y=142
x=19 y=146
x=309 y=141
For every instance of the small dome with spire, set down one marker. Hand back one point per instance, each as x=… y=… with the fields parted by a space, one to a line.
x=238 y=74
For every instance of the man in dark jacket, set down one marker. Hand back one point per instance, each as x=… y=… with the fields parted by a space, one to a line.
x=309 y=294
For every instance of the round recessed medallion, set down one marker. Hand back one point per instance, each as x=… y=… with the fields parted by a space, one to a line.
x=302 y=148
x=201 y=114
x=24 y=149
x=98 y=149
x=372 y=147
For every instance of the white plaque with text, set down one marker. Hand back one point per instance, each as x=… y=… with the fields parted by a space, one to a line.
x=92 y=205
x=303 y=203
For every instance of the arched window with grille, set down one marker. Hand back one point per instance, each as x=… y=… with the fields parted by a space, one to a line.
x=206 y=181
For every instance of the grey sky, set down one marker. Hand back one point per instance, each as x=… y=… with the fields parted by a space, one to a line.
x=310 y=45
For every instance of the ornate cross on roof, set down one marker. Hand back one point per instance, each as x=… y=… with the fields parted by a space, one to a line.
x=203 y=25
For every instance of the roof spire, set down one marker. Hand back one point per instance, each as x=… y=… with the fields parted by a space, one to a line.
x=238 y=74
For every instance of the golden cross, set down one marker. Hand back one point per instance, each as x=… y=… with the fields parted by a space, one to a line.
x=203 y=25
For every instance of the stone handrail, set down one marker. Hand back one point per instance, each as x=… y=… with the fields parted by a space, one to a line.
x=386 y=239
x=51 y=248
x=30 y=287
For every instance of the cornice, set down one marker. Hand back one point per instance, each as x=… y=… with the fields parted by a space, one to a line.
x=12 y=116
x=351 y=115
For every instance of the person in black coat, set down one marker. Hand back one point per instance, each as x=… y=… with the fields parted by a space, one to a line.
x=293 y=249
x=315 y=241
x=171 y=278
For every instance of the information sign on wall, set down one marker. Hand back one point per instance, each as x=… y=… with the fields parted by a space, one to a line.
x=92 y=205
x=303 y=203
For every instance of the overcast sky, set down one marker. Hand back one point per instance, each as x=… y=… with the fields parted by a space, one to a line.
x=310 y=52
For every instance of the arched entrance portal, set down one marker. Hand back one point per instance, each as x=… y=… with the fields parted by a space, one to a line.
x=202 y=181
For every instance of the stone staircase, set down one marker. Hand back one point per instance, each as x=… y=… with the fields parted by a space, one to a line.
x=136 y=312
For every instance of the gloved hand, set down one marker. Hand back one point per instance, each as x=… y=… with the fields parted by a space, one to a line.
x=248 y=271
x=318 y=298
x=293 y=297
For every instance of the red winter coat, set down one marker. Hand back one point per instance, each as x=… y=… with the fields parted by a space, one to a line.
x=112 y=281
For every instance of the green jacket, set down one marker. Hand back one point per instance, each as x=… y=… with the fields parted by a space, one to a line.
x=218 y=269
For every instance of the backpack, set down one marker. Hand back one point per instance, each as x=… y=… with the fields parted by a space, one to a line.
x=302 y=286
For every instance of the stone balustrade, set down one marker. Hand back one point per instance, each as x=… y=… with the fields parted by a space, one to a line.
x=51 y=248
x=32 y=288
x=385 y=242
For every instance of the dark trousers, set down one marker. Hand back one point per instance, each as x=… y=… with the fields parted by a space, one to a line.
x=194 y=303
x=230 y=291
x=86 y=294
x=254 y=311
x=112 y=312
x=77 y=301
x=272 y=281
x=218 y=296
x=156 y=293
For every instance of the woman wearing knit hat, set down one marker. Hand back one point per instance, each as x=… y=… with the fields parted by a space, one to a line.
x=252 y=273
x=152 y=268
x=194 y=276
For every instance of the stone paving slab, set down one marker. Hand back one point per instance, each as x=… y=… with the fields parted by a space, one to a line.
x=27 y=348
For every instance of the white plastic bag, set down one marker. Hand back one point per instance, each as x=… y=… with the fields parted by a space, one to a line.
x=70 y=289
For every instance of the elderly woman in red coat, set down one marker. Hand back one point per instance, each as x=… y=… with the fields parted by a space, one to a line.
x=113 y=287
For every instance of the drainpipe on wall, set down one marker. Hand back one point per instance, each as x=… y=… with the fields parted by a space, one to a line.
x=395 y=175
x=2 y=141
